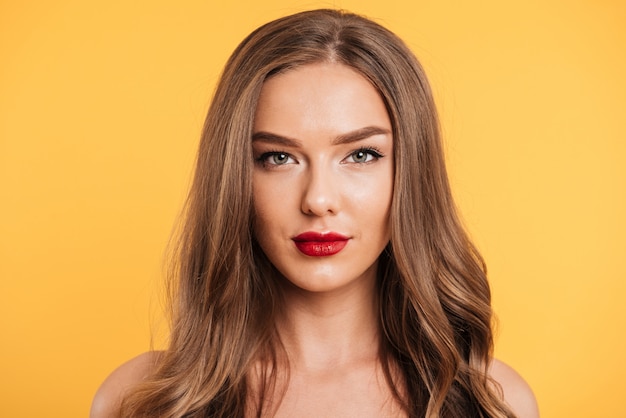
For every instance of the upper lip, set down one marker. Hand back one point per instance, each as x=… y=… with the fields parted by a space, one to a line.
x=312 y=236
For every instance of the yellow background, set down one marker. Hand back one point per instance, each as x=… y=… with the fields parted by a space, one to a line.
x=101 y=105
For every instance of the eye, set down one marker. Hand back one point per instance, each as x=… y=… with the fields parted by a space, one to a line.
x=364 y=155
x=276 y=158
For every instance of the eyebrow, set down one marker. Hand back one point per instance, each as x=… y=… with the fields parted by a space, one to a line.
x=346 y=138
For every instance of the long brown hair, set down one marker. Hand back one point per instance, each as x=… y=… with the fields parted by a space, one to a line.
x=434 y=301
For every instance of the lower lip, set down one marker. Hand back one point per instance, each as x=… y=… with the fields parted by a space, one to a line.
x=320 y=248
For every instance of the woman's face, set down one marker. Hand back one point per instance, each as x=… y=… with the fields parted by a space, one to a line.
x=323 y=176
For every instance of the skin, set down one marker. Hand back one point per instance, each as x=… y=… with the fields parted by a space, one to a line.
x=309 y=177
x=334 y=174
x=318 y=181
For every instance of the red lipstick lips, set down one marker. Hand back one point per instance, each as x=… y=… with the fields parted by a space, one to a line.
x=315 y=244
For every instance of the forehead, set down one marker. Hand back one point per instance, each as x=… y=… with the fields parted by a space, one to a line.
x=321 y=98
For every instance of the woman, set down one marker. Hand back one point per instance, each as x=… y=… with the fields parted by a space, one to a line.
x=322 y=269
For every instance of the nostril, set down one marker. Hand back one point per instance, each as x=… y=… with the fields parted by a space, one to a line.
x=320 y=196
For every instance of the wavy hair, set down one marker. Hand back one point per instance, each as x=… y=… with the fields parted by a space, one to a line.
x=434 y=299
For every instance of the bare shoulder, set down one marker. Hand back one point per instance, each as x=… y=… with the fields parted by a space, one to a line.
x=516 y=392
x=109 y=396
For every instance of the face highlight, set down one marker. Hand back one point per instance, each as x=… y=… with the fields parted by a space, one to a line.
x=323 y=176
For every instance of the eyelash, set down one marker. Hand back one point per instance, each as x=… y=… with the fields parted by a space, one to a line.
x=374 y=152
x=262 y=159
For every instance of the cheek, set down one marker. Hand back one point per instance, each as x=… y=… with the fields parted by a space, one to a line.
x=374 y=198
x=270 y=208
x=261 y=227
x=259 y=192
x=261 y=214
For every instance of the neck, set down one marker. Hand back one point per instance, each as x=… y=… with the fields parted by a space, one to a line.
x=324 y=331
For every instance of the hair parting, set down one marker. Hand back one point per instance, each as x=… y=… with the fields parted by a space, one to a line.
x=224 y=357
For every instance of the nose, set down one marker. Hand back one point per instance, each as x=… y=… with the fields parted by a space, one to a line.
x=321 y=194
